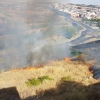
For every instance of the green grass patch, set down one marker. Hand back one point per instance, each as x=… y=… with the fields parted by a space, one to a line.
x=33 y=82
x=45 y=78
x=38 y=81
x=68 y=78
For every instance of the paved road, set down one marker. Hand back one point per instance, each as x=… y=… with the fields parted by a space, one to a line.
x=88 y=29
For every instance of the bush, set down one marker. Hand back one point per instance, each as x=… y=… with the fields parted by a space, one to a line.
x=81 y=57
x=75 y=53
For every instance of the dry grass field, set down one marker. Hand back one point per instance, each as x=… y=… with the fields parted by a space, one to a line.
x=71 y=81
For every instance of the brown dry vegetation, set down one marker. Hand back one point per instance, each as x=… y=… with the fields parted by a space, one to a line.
x=79 y=85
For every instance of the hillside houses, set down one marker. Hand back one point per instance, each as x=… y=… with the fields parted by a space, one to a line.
x=81 y=11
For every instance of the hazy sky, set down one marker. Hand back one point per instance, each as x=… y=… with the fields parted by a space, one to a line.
x=94 y=2
x=88 y=2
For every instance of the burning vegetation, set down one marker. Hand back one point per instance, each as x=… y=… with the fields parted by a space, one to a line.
x=61 y=80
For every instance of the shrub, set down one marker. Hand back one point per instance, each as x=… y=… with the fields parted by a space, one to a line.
x=80 y=57
x=75 y=53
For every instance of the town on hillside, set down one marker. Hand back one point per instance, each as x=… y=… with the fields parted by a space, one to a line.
x=81 y=12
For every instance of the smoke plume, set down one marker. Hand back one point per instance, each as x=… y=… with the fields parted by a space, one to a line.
x=44 y=51
x=27 y=35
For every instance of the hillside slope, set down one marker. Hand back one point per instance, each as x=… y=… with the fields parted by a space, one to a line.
x=70 y=80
